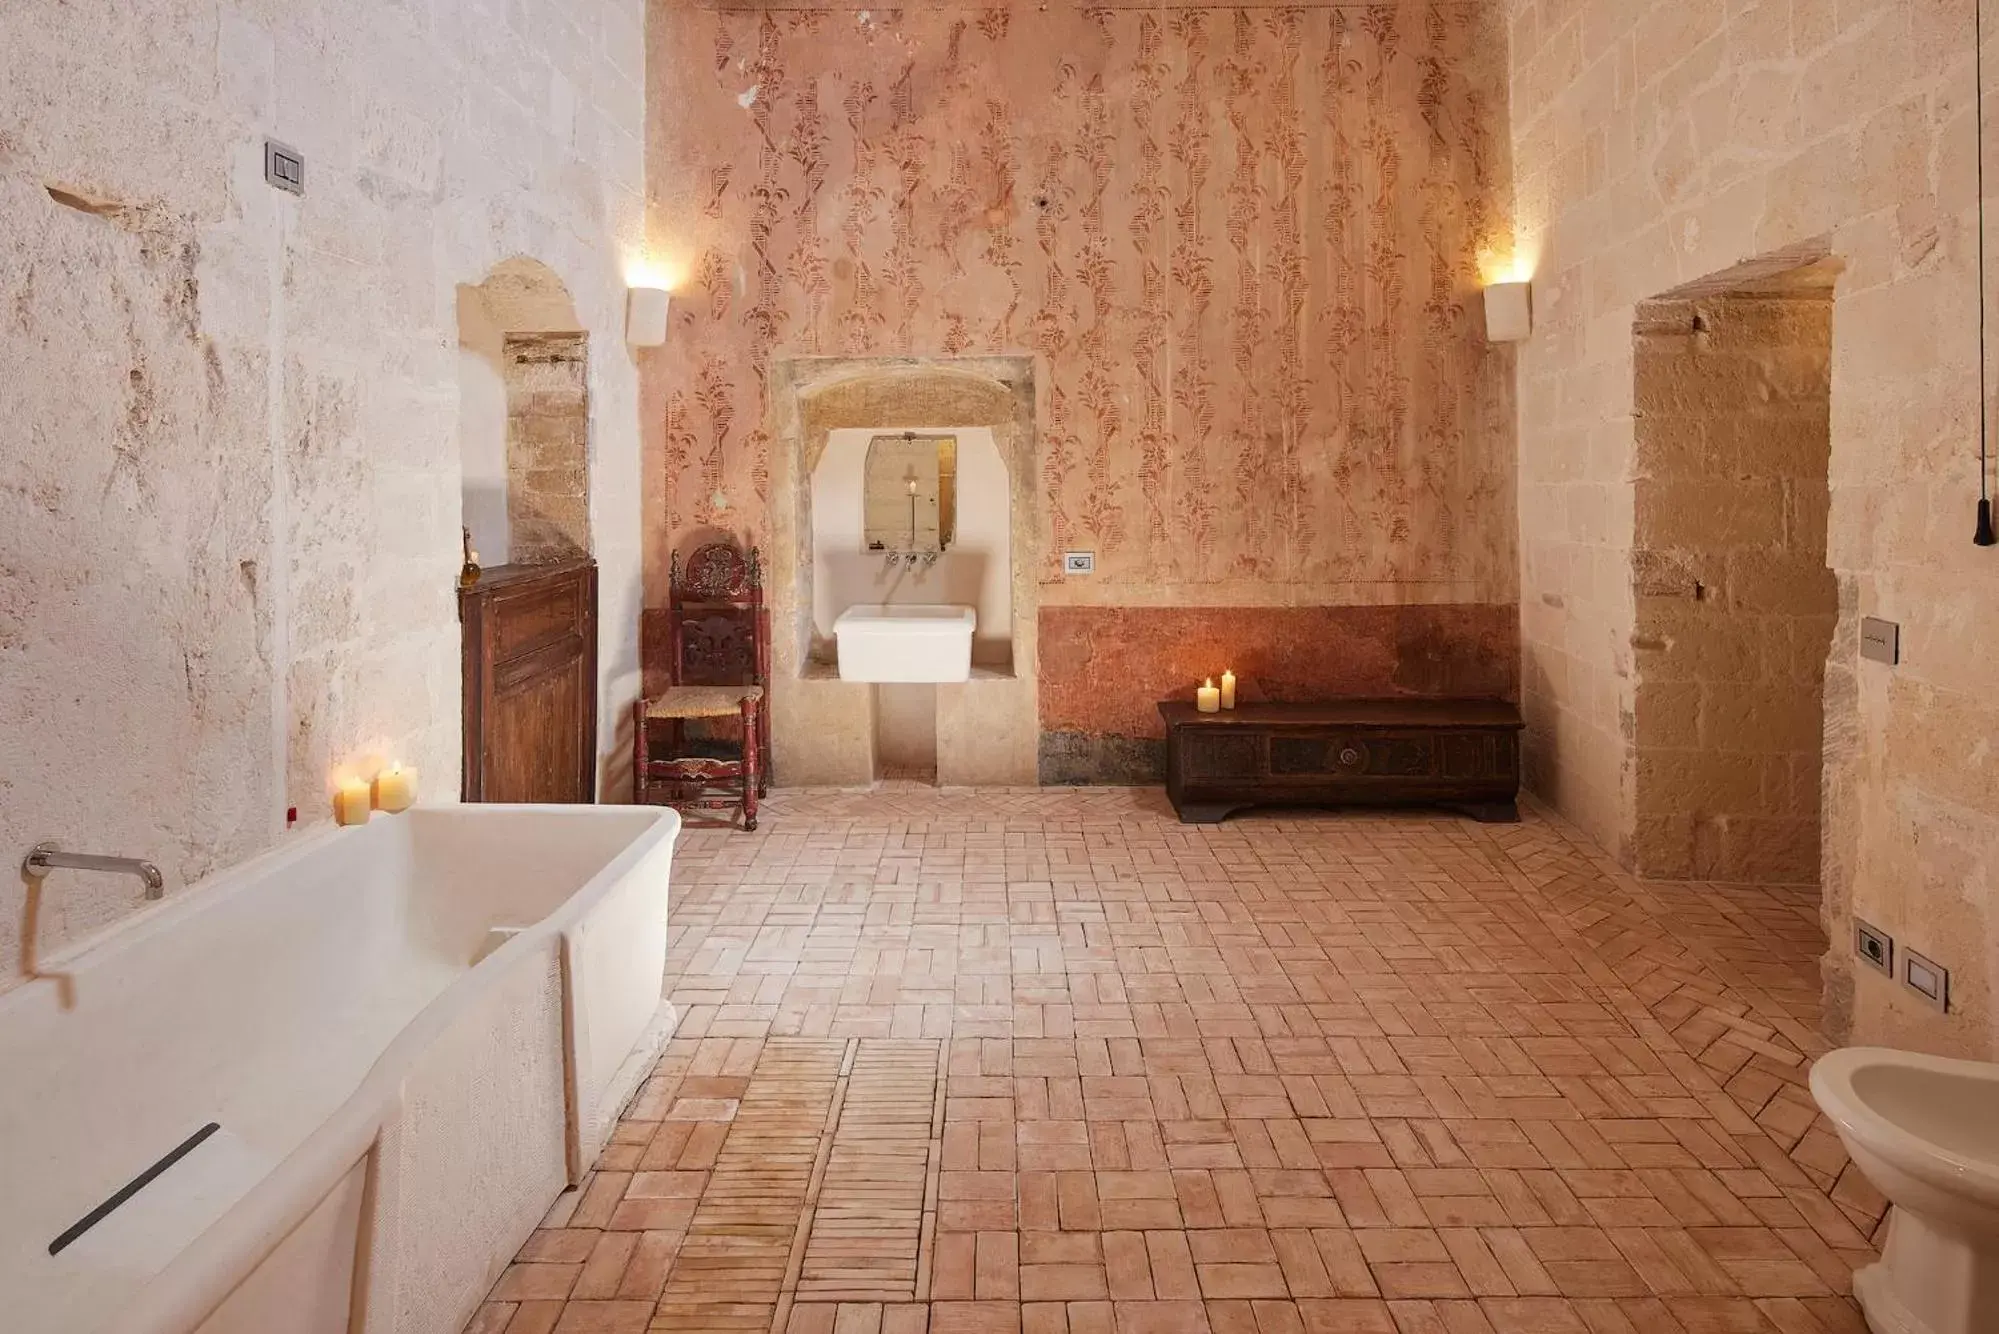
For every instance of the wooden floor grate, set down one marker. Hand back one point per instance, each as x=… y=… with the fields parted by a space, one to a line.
x=868 y=1224
x=733 y=1263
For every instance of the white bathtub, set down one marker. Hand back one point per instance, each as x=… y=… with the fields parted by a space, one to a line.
x=401 y=1086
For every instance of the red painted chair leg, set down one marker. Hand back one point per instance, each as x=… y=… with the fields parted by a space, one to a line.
x=763 y=747
x=639 y=751
x=752 y=770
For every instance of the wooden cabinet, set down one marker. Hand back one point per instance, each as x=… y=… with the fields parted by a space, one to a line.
x=530 y=683
x=1460 y=754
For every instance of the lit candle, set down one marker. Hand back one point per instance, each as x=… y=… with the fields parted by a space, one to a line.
x=350 y=802
x=1228 y=690
x=1208 y=699
x=395 y=789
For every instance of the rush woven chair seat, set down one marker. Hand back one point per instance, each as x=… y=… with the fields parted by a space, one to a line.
x=719 y=663
x=702 y=701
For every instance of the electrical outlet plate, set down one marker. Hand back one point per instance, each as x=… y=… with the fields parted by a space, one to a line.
x=1874 y=947
x=1929 y=980
x=284 y=167
x=1079 y=562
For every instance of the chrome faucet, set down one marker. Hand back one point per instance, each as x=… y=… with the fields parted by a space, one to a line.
x=46 y=857
x=895 y=559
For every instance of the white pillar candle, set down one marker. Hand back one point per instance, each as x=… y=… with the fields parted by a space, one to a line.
x=1206 y=698
x=1228 y=690
x=395 y=789
x=351 y=802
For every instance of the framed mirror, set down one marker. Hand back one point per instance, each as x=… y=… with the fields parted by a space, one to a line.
x=910 y=492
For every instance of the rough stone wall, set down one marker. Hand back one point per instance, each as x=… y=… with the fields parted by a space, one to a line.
x=1735 y=604
x=548 y=446
x=229 y=490
x=1656 y=143
x=1242 y=245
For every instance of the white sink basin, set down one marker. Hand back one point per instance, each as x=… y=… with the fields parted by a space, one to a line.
x=905 y=642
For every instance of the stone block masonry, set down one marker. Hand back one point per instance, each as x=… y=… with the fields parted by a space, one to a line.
x=1657 y=143
x=1735 y=604
x=548 y=446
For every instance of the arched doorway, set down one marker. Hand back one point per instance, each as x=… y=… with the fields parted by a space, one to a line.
x=524 y=416
x=529 y=616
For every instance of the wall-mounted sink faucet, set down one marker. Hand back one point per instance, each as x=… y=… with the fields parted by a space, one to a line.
x=46 y=857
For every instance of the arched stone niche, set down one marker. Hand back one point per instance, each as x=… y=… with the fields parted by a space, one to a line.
x=823 y=728
x=524 y=416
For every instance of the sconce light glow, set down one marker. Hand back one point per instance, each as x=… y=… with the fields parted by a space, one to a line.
x=1509 y=312
x=645 y=316
x=1514 y=263
x=646 y=271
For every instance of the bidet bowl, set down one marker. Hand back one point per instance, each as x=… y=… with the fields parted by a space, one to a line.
x=1925 y=1131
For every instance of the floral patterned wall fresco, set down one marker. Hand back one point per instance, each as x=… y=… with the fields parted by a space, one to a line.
x=1244 y=245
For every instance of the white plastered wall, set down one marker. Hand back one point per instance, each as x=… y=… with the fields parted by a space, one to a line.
x=230 y=489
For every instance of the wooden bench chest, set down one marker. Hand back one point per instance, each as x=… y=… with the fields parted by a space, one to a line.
x=1461 y=754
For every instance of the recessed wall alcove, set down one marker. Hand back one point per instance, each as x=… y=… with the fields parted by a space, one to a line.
x=524 y=416
x=973 y=569
x=825 y=728
x=1736 y=608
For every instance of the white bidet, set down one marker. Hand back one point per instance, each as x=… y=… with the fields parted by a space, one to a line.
x=1925 y=1131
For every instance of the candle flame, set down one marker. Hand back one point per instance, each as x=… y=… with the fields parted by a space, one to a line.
x=1207 y=683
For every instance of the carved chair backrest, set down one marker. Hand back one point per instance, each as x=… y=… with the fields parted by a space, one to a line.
x=720 y=632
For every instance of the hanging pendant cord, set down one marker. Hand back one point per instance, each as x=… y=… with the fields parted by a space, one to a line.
x=1983 y=535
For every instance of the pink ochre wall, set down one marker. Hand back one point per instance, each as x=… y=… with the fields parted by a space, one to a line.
x=1242 y=247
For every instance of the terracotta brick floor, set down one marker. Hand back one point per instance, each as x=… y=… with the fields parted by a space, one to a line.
x=1051 y=1062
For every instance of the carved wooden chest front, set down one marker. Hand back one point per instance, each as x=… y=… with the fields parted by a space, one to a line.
x=1463 y=754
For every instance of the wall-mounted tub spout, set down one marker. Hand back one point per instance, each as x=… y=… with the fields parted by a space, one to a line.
x=46 y=857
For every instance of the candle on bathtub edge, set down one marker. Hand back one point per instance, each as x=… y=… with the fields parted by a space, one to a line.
x=351 y=802
x=1228 y=690
x=395 y=789
x=1206 y=698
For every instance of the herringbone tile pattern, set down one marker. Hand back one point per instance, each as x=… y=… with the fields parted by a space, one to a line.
x=1049 y=1062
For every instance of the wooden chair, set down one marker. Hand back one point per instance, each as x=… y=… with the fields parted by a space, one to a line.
x=719 y=664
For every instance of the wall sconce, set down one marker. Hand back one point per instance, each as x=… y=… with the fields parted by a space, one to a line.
x=645 y=315
x=1509 y=312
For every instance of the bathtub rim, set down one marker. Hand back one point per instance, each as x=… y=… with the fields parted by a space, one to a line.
x=219 y=1258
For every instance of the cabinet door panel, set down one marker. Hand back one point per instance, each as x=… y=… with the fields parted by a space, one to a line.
x=1219 y=755
x=530 y=684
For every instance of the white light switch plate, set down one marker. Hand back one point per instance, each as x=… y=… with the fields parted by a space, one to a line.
x=1929 y=980
x=1079 y=562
